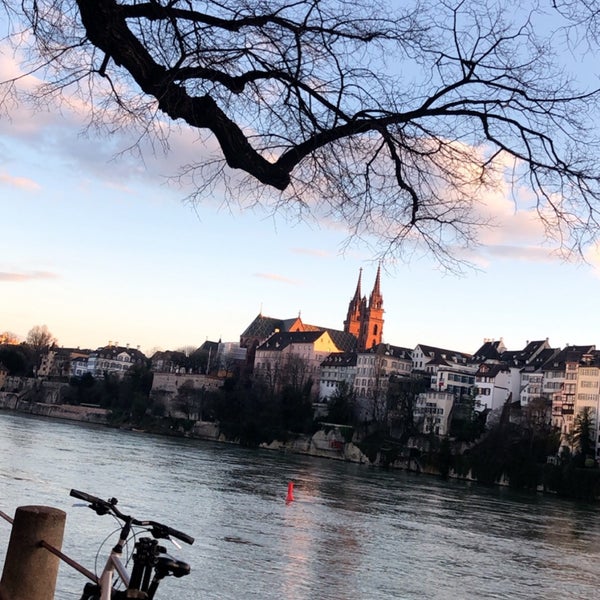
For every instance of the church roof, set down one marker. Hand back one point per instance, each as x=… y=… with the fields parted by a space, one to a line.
x=280 y=340
x=344 y=341
x=262 y=327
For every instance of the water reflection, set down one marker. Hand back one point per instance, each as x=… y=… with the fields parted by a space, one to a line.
x=351 y=532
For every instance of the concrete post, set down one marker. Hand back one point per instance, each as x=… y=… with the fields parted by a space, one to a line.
x=30 y=571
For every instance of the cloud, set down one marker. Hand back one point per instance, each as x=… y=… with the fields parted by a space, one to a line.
x=97 y=142
x=274 y=277
x=23 y=183
x=522 y=253
x=30 y=276
x=126 y=156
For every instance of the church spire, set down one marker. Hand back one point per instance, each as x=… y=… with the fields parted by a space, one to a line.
x=371 y=317
x=352 y=322
x=358 y=293
x=376 y=299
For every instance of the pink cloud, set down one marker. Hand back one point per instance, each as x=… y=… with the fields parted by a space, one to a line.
x=526 y=253
x=19 y=182
x=30 y=276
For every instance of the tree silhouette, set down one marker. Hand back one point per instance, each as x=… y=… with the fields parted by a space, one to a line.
x=392 y=119
x=583 y=432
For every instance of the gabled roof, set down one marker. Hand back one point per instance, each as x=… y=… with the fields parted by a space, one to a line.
x=532 y=347
x=209 y=346
x=521 y=358
x=389 y=350
x=343 y=340
x=262 y=327
x=567 y=354
x=537 y=362
x=441 y=354
x=490 y=350
x=279 y=341
x=491 y=369
x=113 y=351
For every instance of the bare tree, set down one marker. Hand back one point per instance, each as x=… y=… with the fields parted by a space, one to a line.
x=40 y=339
x=394 y=119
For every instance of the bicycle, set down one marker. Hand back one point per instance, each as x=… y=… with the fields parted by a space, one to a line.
x=151 y=563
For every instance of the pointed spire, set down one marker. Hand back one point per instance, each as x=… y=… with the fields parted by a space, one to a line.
x=376 y=287
x=357 y=293
x=376 y=299
x=352 y=322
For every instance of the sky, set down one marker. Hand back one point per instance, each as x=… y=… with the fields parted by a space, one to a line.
x=99 y=245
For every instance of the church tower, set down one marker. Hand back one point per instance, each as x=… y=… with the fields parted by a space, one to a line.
x=365 y=320
x=352 y=322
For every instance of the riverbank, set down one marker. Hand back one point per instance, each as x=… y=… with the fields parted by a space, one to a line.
x=83 y=414
x=322 y=444
x=565 y=480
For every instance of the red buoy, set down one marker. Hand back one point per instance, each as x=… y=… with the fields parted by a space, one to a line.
x=290 y=494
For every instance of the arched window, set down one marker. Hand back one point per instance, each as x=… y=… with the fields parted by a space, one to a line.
x=375 y=329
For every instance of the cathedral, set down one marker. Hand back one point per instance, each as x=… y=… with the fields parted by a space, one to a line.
x=365 y=320
x=363 y=327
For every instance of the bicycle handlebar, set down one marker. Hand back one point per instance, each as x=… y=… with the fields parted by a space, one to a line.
x=102 y=507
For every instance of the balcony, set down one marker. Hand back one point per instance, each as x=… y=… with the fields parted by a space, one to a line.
x=568 y=409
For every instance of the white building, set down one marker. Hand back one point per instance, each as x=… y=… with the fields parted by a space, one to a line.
x=494 y=385
x=560 y=385
x=432 y=412
x=428 y=359
x=337 y=368
x=374 y=367
x=108 y=360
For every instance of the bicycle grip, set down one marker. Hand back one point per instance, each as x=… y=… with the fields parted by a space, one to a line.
x=85 y=497
x=184 y=537
x=160 y=530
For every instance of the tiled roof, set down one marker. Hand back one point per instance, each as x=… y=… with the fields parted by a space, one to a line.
x=262 y=327
x=491 y=369
x=279 y=341
x=488 y=351
x=451 y=355
x=568 y=353
x=389 y=350
x=344 y=341
x=112 y=351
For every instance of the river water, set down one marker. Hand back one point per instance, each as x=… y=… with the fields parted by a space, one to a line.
x=351 y=532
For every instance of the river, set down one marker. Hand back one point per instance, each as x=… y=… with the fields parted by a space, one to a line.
x=351 y=532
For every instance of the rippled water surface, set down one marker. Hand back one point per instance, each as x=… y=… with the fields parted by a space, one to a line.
x=351 y=532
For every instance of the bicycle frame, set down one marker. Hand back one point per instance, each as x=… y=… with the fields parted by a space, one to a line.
x=150 y=561
x=113 y=563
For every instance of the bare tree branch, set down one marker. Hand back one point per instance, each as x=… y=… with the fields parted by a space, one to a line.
x=394 y=121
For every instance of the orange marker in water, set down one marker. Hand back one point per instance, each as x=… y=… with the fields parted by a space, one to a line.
x=290 y=494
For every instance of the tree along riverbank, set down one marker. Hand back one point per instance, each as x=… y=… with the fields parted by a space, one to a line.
x=501 y=457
